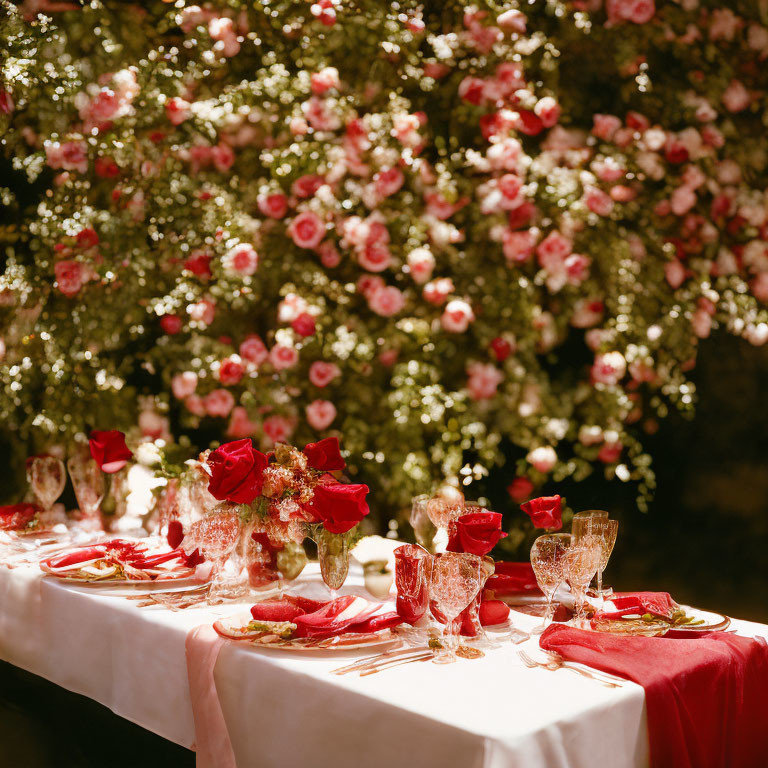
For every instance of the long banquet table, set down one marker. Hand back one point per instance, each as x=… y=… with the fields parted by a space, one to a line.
x=287 y=709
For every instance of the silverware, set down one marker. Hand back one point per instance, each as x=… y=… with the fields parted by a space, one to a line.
x=363 y=663
x=397 y=662
x=556 y=662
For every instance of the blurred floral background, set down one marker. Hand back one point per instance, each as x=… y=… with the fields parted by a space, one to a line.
x=505 y=245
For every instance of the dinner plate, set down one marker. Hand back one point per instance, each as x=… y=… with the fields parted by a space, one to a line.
x=713 y=622
x=236 y=628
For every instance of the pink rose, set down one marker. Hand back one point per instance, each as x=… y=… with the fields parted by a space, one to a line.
x=242 y=259
x=195 y=405
x=240 y=424
x=69 y=156
x=605 y=126
x=548 y=111
x=388 y=181
x=324 y=80
x=701 y=323
x=675 y=273
x=542 y=459
x=320 y=414
x=219 y=402
x=253 y=349
x=587 y=312
x=306 y=186
x=329 y=254
x=177 y=110
x=304 y=325
x=552 y=251
x=682 y=200
x=223 y=157
x=512 y=21
x=70 y=276
x=437 y=291
x=283 y=357
x=184 y=384
x=421 y=263
x=598 y=201
x=277 y=429
x=577 y=268
x=375 y=257
x=636 y=11
x=275 y=205
x=610 y=453
x=387 y=301
x=367 y=285
x=321 y=374
x=231 y=370
x=760 y=287
x=484 y=380
x=307 y=230
x=320 y=115
x=609 y=368
x=736 y=97
x=457 y=316
x=518 y=246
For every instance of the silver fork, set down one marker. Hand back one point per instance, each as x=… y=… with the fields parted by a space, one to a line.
x=558 y=663
x=361 y=664
x=396 y=662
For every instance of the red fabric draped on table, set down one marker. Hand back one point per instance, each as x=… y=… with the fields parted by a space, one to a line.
x=706 y=698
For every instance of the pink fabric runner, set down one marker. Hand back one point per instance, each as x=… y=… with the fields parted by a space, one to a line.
x=214 y=748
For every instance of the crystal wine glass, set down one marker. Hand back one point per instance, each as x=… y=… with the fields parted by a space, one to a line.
x=216 y=536
x=47 y=477
x=88 y=484
x=447 y=505
x=423 y=527
x=605 y=531
x=547 y=558
x=456 y=579
x=333 y=554
x=580 y=564
x=412 y=568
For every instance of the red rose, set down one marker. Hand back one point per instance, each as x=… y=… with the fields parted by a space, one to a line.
x=339 y=506
x=325 y=455
x=87 y=238
x=476 y=533
x=70 y=276
x=236 y=472
x=545 y=512
x=16 y=516
x=231 y=371
x=520 y=489
x=199 y=263
x=171 y=324
x=304 y=324
x=109 y=450
x=501 y=348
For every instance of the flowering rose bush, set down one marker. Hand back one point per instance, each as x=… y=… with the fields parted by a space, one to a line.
x=242 y=229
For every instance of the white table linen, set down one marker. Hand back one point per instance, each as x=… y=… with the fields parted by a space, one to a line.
x=285 y=708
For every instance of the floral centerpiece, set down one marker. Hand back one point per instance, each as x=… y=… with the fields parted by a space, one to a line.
x=284 y=496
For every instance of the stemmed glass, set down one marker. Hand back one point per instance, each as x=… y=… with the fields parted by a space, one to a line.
x=548 y=559
x=412 y=571
x=216 y=536
x=605 y=531
x=456 y=579
x=423 y=527
x=447 y=505
x=333 y=554
x=47 y=477
x=580 y=564
x=88 y=484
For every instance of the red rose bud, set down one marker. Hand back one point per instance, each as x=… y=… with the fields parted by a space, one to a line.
x=171 y=324
x=109 y=450
x=339 y=507
x=520 y=489
x=545 y=512
x=501 y=348
x=325 y=455
x=87 y=238
x=106 y=167
x=304 y=324
x=236 y=472
x=199 y=265
x=476 y=533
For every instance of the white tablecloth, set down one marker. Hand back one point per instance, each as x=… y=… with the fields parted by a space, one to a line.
x=285 y=709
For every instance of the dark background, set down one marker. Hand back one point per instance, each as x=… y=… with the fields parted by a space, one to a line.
x=704 y=540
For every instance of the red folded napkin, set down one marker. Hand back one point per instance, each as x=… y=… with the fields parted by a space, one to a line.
x=14 y=517
x=655 y=603
x=511 y=579
x=326 y=619
x=706 y=698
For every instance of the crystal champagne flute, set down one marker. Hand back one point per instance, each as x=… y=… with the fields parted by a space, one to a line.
x=605 y=531
x=580 y=564
x=47 y=477
x=547 y=558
